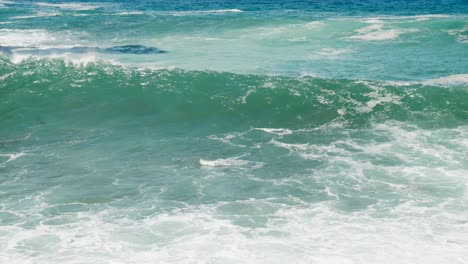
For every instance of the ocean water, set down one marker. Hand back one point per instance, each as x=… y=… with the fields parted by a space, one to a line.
x=234 y=131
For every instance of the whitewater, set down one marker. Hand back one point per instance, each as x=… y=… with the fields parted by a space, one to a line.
x=233 y=131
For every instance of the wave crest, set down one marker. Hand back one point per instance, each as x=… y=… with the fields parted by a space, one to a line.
x=206 y=96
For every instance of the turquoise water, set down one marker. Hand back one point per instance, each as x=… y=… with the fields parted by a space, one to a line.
x=268 y=132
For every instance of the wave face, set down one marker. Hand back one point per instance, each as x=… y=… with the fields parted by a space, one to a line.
x=170 y=96
x=292 y=132
x=151 y=162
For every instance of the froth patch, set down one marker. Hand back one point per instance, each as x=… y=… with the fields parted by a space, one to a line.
x=231 y=162
x=73 y=59
x=28 y=37
x=128 y=13
x=12 y=156
x=314 y=24
x=405 y=19
x=3 y=4
x=223 y=162
x=201 y=12
x=69 y=6
x=376 y=32
x=38 y=14
x=329 y=53
x=276 y=131
x=456 y=79
x=461 y=35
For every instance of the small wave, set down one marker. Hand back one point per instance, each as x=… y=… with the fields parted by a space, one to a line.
x=70 y=6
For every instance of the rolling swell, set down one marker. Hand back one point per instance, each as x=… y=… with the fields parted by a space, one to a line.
x=41 y=91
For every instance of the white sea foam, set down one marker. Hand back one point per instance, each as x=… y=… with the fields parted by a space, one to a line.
x=199 y=12
x=227 y=138
x=311 y=233
x=461 y=35
x=298 y=39
x=24 y=40
x=38 y=14
x=74 y=59
x=455 y=79
x=314 y=24
x=351 y=209
x=223 y=162
x=4 y=4
x=205 y=38
x=13 y=156
x=276 y=131
x=129 y=13
x=231 y=162
x=378 y=97
x=234 y=10
x=403 y=19
x=26 y=37
x=376 y=32
x=329 y=53
x=70 y=6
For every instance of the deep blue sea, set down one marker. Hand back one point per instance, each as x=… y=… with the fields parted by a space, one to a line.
x=222 y=131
